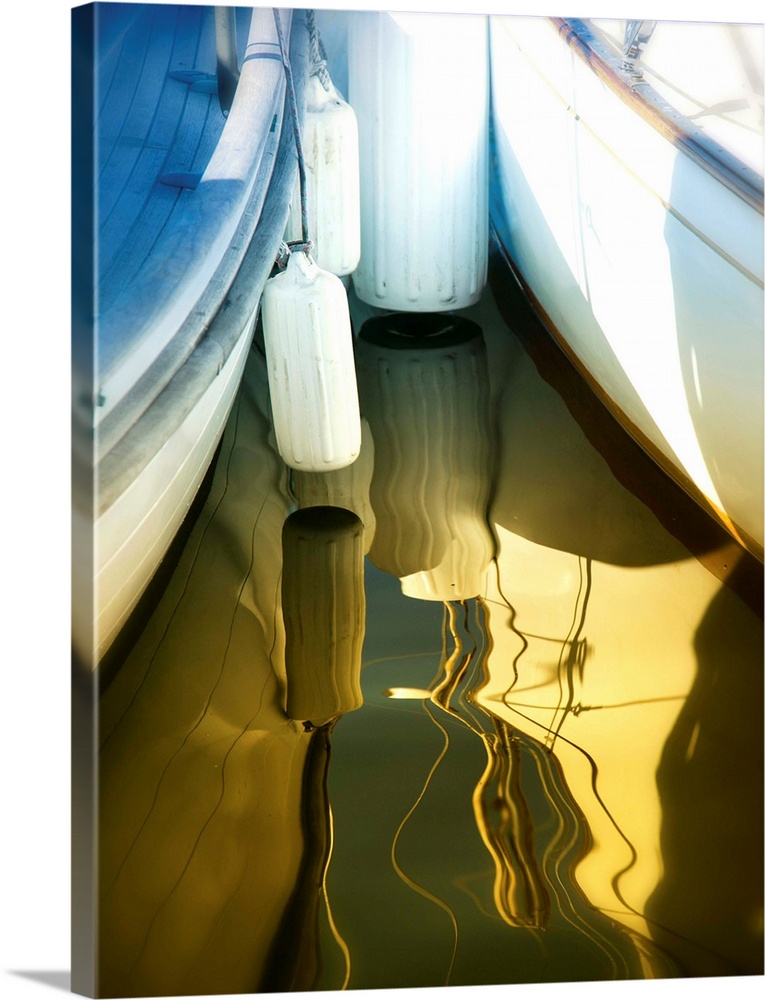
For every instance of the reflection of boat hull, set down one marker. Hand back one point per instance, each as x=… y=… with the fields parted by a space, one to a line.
x=642 y=252
x=190 y=204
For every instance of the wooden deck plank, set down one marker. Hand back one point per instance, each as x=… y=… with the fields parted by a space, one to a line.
x=114 y=23
x=135 y=226
x=142 y=184
x=163 y=129
x=200 y=113
x=184 y=56
x=146 y=206
x=123 y=127
x=116 y=103
x=125 y=122
x=159 y=45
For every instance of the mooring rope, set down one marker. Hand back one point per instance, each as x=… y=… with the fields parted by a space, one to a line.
x=306 y=243
x=318 y=54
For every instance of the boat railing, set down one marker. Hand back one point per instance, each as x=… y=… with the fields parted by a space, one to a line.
x=608 y=62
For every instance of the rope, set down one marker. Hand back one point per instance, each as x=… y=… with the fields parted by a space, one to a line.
x=285 y=249
x=306 y=243
x=318 y=54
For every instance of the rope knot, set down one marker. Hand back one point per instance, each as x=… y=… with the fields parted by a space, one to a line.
x=320 y=69
x=287 y=249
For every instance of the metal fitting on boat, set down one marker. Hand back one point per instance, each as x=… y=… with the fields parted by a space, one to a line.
x=637 y=34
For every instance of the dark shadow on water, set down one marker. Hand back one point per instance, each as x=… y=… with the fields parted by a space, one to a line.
x=57 y=979
x=710 y=782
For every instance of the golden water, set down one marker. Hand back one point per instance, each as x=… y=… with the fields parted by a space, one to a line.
x=551 y=774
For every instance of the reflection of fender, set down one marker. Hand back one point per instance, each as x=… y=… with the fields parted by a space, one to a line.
x=423 y=386
x=347 y=487
x=324 y=607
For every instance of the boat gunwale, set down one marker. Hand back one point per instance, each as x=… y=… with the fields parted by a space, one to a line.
x=646 y=101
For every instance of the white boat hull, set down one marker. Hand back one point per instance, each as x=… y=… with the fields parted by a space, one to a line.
x=134 y=534
x=646 y=266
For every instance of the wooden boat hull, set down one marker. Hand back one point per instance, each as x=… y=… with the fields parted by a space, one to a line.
x=173 y=309
x=642 y=252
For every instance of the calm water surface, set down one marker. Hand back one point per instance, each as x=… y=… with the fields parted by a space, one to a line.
x=484 y=708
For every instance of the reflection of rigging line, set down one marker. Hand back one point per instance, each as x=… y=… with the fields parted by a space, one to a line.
x=421 y=890
x=197 y=841
x=563 y=809
x=645 y=945
x=604 y=807
x=512 y=627
x=474 y=663
x=205 y=709
x=483 y=653
x=579 y=709
x=572 y=641
x=501 y=865
x=407 y=656
x=652 y=945
x=277 y=617
x=453 y=679
x=514 y=890
x=453 y=665
x=559 y=800
x=510 y=886
x=570 y=708
x=598 y=939
x=443 y=692
x=519 y=895
x=567 y=643
x=332 y=926
x=186 y=583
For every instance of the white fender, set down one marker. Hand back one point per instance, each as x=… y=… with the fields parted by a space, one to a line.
x=330 y=140
x=311 y=374
x=419 y=86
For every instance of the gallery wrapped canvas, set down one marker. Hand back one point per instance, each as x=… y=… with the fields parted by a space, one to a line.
x=481 y=704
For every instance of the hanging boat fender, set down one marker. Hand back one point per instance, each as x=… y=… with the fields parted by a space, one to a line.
x=310 y=361
x=419 y=86
x=331 y=151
